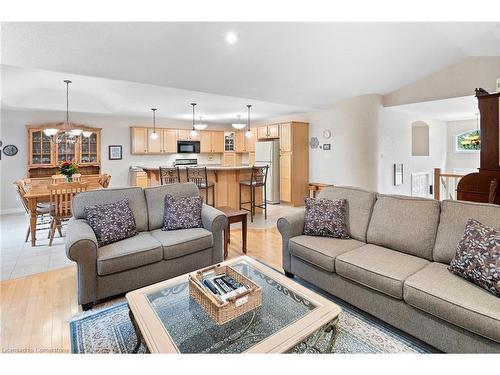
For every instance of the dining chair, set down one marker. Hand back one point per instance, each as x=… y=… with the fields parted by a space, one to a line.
x=170 y=175
x=199 y=176
x=60 y=200
x=258 y=178
x=58 y=178
x=42 y=211
x=104 y=180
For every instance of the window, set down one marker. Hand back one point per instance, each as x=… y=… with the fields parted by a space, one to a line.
x=469 y=141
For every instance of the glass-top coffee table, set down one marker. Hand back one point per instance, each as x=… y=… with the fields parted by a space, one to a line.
x=167 y=320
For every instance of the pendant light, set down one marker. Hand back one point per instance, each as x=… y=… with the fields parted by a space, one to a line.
x=239 y=125
x=154 y=135
x=200 y=125
x=248 y=134
x=68 y=132
x=194 y=132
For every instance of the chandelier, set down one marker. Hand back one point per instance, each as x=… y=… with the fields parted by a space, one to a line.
x=239 y=125
x=69 y=133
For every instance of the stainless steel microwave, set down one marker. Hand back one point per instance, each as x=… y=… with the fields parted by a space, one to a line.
x=188 y=147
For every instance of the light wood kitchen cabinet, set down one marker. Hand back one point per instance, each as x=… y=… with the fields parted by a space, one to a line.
x=285 y=176
x=169 y=141
x=250 y=142
x=294 y=162
x=218 y=141
x=211 y=141
x=286 y=137
x=268 y=132
x=229 y=158
x=139 y=140
x=185 y=135
x=155 y=145
x=240 y=143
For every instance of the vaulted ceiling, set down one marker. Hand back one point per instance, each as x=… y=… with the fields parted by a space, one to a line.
x=290 y=66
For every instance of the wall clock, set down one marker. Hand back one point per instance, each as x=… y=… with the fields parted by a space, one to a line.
x=10 y=150
x=327 y=134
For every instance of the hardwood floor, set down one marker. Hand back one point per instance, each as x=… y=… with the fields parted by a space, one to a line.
x=35 y=310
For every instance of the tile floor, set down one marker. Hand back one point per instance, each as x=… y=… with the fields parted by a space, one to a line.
x=19 y=258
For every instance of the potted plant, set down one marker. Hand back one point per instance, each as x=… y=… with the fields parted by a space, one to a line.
x=68 y=169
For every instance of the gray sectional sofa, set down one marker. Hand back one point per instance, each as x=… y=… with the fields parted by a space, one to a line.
x=395 y=266
x=151 y=256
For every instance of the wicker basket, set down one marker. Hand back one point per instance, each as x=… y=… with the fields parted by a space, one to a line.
x=223 y=312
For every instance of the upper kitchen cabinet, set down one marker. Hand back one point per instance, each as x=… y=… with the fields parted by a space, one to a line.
x=250 y=141
x=155 y=146
x=169 y=141
x=211 y=141
x=268 y=132
x=240 y=144
x=185 y=135
x=139 y=140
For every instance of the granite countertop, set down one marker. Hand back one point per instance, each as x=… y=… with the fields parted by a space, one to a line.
x=210 y=167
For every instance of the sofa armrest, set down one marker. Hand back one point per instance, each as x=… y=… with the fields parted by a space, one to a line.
x=290 y=226
x=81 y=247
x=215 y=221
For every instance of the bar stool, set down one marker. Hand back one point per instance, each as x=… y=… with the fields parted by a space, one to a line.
x=169 y=175
x=257 y=179
x=199 y=176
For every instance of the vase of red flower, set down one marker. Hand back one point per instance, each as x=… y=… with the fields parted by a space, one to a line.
x=68 y=169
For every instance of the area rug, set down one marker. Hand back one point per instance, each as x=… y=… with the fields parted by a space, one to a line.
x=109 y=330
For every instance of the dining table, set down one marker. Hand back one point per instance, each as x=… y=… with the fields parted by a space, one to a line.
x=39 y=192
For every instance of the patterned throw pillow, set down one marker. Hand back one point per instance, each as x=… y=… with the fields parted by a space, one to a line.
x=478 y=256
x=182 y=213
x=111 y=222
x=326 y=218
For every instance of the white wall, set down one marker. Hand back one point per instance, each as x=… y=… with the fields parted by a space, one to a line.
x=460 y=160
x=352 y=158
x=115 y=130
x=394 y=146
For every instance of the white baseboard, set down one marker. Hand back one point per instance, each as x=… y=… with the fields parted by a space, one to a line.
x=12 y=211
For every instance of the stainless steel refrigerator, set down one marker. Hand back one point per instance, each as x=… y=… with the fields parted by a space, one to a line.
x=268 y=152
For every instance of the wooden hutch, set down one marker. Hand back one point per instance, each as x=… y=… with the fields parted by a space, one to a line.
x=480 y=186
x=45 y=156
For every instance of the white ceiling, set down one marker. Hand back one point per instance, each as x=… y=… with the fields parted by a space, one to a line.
x=42 y=90
x=300 y=64
x=453 y=109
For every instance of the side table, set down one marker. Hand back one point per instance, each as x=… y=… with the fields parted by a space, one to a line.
x=234 y=216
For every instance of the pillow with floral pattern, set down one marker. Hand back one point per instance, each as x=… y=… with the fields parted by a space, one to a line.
x=111 y=222
x=478 y=256
x=182 y=212
x=326 y=218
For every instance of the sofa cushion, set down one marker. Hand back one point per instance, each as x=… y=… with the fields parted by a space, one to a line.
x=111 y=222
x=454 y=216
x=182 y=213
x=379 y=268
x=155 y=198
x=325 y=218
x=359 y=208
x=129 y=253
x=321 y=251
x=438 y=292
x=405 y=224
x=478 y=257
x=177 y=243
x=135 y=197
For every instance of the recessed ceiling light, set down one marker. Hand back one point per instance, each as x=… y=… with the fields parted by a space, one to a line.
x=231 y=38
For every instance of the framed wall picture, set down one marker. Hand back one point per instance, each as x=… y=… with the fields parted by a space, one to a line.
x=398 y=174
x=115 y=152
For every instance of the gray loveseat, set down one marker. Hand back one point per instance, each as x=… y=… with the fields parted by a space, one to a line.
x=151 y=256
x=395 y=266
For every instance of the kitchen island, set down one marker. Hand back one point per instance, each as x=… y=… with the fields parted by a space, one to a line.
x=225 y=177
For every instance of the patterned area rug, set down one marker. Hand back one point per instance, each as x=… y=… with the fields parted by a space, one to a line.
x=109 y=330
